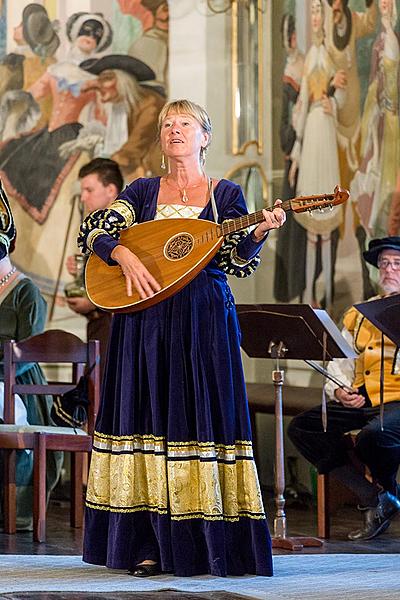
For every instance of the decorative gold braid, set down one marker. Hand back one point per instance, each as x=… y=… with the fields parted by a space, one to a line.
x=184 y=479
x=227 y=257
x=120 y=215
x=92 y=236
x=125 y=209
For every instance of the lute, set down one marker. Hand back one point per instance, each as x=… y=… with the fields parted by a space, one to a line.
x=176 y=250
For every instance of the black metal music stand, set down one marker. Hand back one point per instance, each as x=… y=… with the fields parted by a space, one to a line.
x=384 y=313
x=288 y=331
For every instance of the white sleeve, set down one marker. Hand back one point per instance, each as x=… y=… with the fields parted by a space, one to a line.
x=341 y=368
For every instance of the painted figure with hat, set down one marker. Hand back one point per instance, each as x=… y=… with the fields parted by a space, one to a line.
x=370 y=382
x=131 y=110
x=37 y=41
x=68 y=87
x=23 y=314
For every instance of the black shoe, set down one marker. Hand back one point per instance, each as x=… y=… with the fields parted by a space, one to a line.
x=377 y=519
x=146 y=570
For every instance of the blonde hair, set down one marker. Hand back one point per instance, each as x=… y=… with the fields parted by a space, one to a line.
x=187 y=107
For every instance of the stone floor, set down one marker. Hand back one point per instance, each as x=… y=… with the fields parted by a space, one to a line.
x=301 y=521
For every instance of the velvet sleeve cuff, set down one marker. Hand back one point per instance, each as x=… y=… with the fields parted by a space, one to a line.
x=103 y=245
x=249 y=248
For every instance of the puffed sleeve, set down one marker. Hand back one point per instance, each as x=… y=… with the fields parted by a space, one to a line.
x=100 y=231
x=239 y=254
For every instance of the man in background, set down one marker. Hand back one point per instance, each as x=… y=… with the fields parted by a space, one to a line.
x=358 y=407
x=101 y=181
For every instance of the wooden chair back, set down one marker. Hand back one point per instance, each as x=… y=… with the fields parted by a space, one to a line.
x=50 y=347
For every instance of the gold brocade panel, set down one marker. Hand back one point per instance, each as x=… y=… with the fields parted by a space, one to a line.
x=188 y=480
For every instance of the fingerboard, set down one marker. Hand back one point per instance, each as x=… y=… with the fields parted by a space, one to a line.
x=303 y=203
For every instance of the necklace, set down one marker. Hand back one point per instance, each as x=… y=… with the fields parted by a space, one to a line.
x=182 y=191
x=6 y=277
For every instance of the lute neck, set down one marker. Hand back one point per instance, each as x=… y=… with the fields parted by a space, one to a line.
x=248 y=220
x=299 y=204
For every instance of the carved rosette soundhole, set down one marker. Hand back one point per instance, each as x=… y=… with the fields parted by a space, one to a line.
x=179 y=246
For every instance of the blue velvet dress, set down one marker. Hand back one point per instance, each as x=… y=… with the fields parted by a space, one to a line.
x=172 y=476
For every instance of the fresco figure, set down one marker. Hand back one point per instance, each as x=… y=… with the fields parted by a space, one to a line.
x=67 y=85
x=152 y=46
x=315 y=155
x=36 y=42
x=374 y=183
x=132 y=113
x=343 y=30
x=289 y=279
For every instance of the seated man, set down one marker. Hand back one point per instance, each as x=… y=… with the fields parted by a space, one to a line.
x=101 y=181
x=376 y=448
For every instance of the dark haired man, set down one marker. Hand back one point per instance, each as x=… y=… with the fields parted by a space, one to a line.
x=378 y=360
x=101 y=181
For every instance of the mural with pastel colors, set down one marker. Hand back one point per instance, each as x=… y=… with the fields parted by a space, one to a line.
x=71 y=89
x=339 y=124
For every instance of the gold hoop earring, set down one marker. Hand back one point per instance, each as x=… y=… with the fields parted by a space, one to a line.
x=163 y=165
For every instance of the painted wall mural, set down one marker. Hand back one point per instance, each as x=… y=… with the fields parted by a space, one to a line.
x=74 y=86
x=339 y=123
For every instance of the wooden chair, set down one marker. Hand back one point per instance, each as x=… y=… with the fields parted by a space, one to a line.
x=54 y=346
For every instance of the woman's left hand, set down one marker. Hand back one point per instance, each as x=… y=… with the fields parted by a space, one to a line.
x=273 y=219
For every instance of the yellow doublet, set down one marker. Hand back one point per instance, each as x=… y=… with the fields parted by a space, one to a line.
x=368 y=344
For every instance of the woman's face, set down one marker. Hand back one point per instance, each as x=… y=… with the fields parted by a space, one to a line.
x=316 y=16
x=182 y=135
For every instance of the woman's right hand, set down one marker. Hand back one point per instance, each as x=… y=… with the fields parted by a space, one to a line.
x=135 y=272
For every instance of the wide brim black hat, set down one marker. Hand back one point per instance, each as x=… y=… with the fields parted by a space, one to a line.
x=123 y=62
x=39 y=31
x=375 y=247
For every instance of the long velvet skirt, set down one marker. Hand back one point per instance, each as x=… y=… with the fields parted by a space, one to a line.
x=172 y=475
